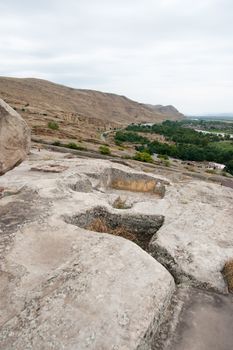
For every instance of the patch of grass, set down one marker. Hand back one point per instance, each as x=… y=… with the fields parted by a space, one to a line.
x=57 y=143
x=47 y=157
x=104 y=150
x=118 y=143
x=99 y=225
x=190 y=168
x=165 y=162
x=53 y=125
x=147 y=170
x=163 y=156
x=73 y=145
x=224 y=173
x=210 y=171
x=126 y=156
x=120 y=203
x=228 y=274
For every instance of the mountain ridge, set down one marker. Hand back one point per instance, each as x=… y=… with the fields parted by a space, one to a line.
x=90 y=103
x=80 y=113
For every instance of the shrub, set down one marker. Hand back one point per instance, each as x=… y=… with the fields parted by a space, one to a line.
x=73 y=145
x=53 y=125
x=118 y=143
x=126 y=156
x=104 y=150
x=225 y=174
x=166 y=162
x=229 y=167
x=210 y=171
x=163 y=156
x=143 y=157
x=57 y=143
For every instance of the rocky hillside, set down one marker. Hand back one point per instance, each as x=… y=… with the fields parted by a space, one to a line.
x=39 y=101
x=168 y=111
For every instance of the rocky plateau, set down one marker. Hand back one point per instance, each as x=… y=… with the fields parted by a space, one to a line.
x=97 y=254
x=64 y=286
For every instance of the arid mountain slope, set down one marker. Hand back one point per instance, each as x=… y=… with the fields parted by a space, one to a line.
x=40 y=101
x=88 y=103
x=168 y=111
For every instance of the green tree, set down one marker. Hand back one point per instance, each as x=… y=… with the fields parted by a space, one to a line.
x=229 y=167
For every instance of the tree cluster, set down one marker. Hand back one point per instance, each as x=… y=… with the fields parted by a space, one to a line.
x=182 y=143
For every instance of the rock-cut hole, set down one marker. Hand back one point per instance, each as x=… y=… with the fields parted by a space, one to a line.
x=134 y=227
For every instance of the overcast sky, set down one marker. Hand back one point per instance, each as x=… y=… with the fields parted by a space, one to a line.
x=176 y=52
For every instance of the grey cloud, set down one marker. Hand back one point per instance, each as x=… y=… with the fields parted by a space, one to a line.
x=155 y=51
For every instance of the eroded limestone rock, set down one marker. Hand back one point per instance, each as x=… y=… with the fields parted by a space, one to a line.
x=14 y=138
x=95 y=292
x=65 y=287
x=196 y=239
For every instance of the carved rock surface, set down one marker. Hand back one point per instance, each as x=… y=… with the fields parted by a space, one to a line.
x=14 y=138
x=63 y=286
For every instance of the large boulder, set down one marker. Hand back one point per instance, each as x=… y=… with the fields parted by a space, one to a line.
x=14 y=138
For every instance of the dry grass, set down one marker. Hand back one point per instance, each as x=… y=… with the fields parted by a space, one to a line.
x=99 y=225
x=228 y=274
x=210 y=171
x=147 y=170
x=120 y=203
x=48 y=157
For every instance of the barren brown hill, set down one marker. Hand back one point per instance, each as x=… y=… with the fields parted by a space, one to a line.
x=165 y=110
x=40 y=101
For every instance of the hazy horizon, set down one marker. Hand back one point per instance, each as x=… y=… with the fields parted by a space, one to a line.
x=169 y=52
x=213 y=114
